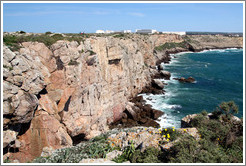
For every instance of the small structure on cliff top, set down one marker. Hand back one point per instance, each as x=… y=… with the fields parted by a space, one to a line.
x=177 y=33
x=146 y=31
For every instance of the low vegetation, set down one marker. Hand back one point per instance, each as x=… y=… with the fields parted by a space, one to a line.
x=221 y=141
x=170 y=45
x=14 y=41
x=95 y=148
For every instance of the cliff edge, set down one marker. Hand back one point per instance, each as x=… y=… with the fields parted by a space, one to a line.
x=56 y=94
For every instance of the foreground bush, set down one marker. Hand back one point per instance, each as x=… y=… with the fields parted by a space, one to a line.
x=221 y=139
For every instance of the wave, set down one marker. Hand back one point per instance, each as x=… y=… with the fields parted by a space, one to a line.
x=166 y=121
x=170 y=106
x=181 y=53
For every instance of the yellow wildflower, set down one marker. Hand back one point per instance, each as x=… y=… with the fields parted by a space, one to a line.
x=145 y=129
x=164 y=136
x=218 y=139
x=184 y=130
x=168 y=136
x=167 y=139
x=159 y=131
x=173 y=129
x=165 y=129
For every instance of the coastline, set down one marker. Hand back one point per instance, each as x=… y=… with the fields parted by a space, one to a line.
x=147 y=101
x=139 y=72
x=163 y=118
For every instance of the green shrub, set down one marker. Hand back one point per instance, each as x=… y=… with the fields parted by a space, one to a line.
x=196 y=122
x=48 y=33
x=150 y=155
x=72 y=62
x=12 y=42
x=126 y=155
x=119 y=35
x=228 y=108
x=172 y=133
x=204 y=113
x=22 y=32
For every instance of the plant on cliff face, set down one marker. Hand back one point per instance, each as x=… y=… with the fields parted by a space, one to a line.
x=91 y=52
x=72 y=62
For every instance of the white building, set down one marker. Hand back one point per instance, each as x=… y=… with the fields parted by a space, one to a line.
x=100 y=31
x=127 y=31
x=177 y=33
x=109 y=31
x=146 y=31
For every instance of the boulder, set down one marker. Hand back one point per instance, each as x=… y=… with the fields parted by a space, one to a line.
x=165 y=74
x=157 y=84
x=186 y=121
x=185 y=80
x=160 y=67
x=8 y=54
x=8 y=137
x=47 y=151
x=157 y=114
x=129 y=110
x=113 y=154
x=27 y=105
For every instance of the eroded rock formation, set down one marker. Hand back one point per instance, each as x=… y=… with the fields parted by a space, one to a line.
x=51 y=95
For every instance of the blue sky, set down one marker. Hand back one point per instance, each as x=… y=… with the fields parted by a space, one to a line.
x=77 y=17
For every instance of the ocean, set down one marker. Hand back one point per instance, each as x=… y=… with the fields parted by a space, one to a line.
x=218 y=75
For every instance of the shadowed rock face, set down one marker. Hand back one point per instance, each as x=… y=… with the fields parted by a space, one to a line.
x=42 y=87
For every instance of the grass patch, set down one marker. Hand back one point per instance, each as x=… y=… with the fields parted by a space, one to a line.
x=171 y=45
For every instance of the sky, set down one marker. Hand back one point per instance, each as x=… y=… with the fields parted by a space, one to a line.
x=89 y=17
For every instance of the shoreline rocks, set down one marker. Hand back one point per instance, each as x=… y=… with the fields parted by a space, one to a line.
x=137 y=113
x=185 y=80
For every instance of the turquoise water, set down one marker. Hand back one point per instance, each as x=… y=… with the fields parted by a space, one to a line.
x=219 y=77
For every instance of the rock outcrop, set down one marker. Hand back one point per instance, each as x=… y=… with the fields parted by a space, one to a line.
x=52 y=95
x=187 y=80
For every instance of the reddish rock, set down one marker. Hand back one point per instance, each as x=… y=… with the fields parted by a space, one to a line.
x=65 y=99
x=44 y=131
x=117 y=112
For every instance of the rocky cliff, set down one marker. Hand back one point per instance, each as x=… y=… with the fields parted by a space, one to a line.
x=54 y=95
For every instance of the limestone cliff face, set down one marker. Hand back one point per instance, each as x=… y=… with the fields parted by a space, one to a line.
x=51 y=95
x=200 y=42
